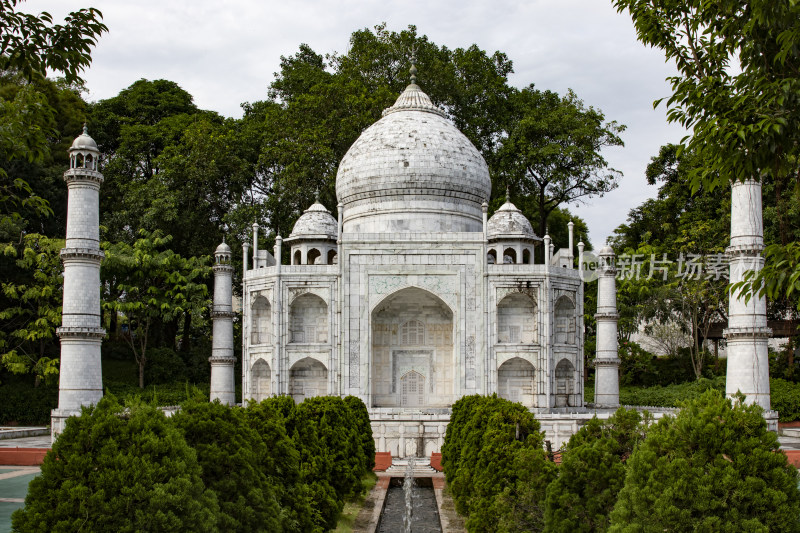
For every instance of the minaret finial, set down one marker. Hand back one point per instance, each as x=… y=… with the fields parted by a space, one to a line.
x=508 y=194
x=85 y=128
x=316 y=195
x=413 y=69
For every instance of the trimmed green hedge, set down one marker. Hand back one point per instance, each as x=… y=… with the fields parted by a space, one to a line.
x=271 y=466
x=495 y=464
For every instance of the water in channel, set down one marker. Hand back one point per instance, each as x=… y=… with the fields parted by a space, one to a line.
x=410 y=506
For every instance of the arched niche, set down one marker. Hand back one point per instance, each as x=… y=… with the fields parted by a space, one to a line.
x=565 y=321
x=308 y=320
x=565 y=382
x=412 y=331
x=297 y=257
x=307 y=378
x=526 y=256
x=412 y=389
x=515 y=381
x=332 y=257
x=509 y=256
x=491 y=257
x=516 y=320
x=260 y=380
x=261 y=321
x=313 y=257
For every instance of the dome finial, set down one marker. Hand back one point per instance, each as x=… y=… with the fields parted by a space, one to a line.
x=316 y=195
x=508 y=195
x=413 y=69
x=85 y=128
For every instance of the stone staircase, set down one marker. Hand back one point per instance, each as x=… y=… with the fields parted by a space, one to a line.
x=789 y=438
x=421 y=468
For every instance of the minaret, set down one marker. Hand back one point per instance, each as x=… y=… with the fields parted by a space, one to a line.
x=80 y=377
x=747 y=333
x=222 y=359
x=606 y=362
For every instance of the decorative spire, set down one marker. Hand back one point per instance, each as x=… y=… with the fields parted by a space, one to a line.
x=85 y=128
x=508 y=195
x=316 y=195
x=413 y=69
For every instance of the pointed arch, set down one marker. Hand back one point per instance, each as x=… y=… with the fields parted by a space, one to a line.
x=308 y=378
x=261 y=380
x=517 y=320
x=261 y=321
x=565 y=321
x=412 y=331
x=308 y=320
x=565 y=382
x=313 y=256
x=515 y=381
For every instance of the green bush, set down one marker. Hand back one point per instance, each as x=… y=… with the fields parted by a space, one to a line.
x=670 y=395
x=363 y=428
x=229 y=451
x=115 y=469
x=338 y=433
x=592 y=472
x=713 y=467
x=785 y=398
x=164 y=366
x=316 y=463
x=23 y=404
x=495 y=464
x=280 y=462
x=167 y=394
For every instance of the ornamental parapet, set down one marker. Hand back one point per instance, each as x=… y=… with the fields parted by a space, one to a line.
x=83 y=174
x=82 y=253
x=92 y=332
x=751 y=332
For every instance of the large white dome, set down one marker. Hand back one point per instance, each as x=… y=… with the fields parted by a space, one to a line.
x=412 y=171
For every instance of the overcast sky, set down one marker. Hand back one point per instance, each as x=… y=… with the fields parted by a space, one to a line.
x=225 y=53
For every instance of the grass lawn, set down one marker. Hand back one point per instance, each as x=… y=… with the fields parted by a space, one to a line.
x=353 y=507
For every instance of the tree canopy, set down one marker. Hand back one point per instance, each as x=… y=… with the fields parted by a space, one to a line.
x=737 y=90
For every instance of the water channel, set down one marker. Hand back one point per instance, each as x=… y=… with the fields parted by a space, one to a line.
x=410 y=506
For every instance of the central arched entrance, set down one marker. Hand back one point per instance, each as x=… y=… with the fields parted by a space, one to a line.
x=412 y=351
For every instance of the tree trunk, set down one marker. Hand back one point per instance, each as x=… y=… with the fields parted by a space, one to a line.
x=186 y=340
x=141 y=371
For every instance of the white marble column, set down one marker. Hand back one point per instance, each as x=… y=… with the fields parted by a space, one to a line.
x=606 y=362
x=222 y=359
x=80 y=379
x=747 y=333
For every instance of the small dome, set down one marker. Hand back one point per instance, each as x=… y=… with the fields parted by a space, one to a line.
x=606 y=250
x=315 y=223
x=84 y=142
x=508 y=222
x=222 y=249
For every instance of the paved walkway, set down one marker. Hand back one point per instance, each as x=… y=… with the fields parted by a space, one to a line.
x=13 y=488
x=27 y=442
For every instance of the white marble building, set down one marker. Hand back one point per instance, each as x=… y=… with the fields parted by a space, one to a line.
x=412 y=298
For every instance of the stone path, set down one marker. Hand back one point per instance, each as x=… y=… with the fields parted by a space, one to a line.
x=27 y=442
